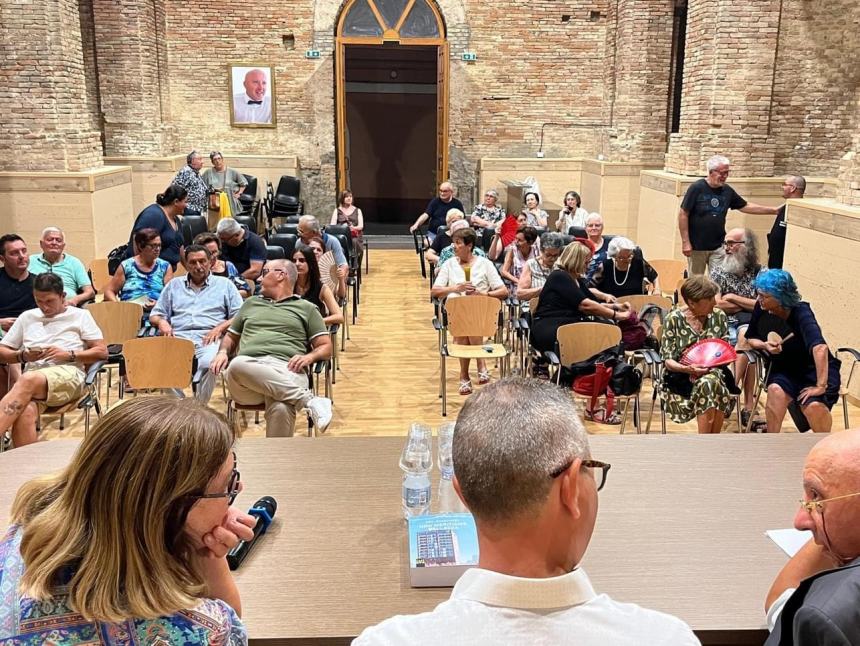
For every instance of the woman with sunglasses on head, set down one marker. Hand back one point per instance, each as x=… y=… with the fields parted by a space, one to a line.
x=128 y=543
x=142 y=277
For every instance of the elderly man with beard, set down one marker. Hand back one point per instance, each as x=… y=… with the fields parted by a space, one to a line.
x=735 y=276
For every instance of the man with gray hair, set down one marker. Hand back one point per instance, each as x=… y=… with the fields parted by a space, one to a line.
x=53 y=259
x=735 y=276
x=309 y=227
x=702 y=217
x=523 y=468
x=189 y=178
x=242 y=247
x=793 y=188
x=275 y=337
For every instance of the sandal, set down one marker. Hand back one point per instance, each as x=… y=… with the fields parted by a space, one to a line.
x=600 y=417
x=466 y=387
x=483 y=377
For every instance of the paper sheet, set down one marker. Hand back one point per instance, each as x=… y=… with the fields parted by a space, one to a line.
x=789 y=540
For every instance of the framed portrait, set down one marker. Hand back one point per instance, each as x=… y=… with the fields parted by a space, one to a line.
x=252 y=95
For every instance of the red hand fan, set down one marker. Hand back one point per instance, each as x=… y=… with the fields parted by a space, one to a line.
x=709 y=353
x=508 y=230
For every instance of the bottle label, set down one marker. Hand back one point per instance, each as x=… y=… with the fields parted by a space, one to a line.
x=419 y=497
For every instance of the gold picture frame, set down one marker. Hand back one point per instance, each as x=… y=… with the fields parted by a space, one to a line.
x=252 y=95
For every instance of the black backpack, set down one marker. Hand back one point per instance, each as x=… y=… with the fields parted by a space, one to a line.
x=115 y=258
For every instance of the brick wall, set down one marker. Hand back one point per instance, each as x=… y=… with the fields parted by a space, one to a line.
x=817 y=87
x=47 y=121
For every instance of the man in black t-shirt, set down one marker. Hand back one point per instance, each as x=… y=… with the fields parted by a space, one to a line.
x=792 y=188
x=437 y=209
x=16 y=295
x=702 y=217
x=243 y=248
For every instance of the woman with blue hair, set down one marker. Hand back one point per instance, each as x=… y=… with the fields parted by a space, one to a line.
x=802 y=368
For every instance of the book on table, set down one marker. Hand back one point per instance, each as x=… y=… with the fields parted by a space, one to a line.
x=441 y=548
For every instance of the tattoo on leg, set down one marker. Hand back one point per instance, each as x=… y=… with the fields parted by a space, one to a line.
x=13 y=408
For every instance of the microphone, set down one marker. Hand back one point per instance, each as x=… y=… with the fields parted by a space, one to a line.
x=264 y=509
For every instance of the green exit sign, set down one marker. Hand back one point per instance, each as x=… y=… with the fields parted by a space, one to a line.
x=470 y=56
x=312 y=53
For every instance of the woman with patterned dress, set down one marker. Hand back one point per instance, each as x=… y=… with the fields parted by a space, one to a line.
x=519 y=252
x=142 y=277
x=128 y=544
x=488 y=215
x=693 y=391
x=349 y=214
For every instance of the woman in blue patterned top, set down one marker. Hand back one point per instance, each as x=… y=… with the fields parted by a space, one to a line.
x=128 y=544
x=141 y=277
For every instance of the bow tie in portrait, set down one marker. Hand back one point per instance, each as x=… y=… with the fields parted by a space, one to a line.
x=255 y=102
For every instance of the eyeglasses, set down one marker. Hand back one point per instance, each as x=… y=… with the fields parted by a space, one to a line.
x=232 y=486
x=728 y=244
x=593 y=464
x=267 y=270
x=153 y=246
x=818 y=505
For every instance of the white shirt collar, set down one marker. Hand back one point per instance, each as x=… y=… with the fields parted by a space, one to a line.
x=496 y=589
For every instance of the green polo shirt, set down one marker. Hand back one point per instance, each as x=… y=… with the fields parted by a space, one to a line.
x=280 y=329
x=70 y=269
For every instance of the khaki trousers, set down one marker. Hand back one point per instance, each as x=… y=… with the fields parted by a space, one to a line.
x=258 y=380
x=699 y=260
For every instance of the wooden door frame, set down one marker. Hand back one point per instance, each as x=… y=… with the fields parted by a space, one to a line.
x=391 y=36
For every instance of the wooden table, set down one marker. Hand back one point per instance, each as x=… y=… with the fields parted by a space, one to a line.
x=680 y=529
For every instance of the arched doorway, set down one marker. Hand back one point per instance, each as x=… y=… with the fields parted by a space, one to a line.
x=391 y=76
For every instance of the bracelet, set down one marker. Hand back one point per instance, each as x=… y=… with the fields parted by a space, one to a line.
x=613 y=314
x=71 y=356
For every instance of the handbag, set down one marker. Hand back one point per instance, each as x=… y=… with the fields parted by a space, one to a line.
x=214 y=201
x=596 y=385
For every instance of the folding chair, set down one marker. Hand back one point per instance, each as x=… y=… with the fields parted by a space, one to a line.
x=158 y=363
x=577 y=342
x=476 y=315
x=119 y=321
x=850 y=388
x=670 y=273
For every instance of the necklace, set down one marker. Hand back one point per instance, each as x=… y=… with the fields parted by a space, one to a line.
x=615 y=273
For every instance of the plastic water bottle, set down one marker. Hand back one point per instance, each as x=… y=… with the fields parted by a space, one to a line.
x=445 y=444
x=416 y=461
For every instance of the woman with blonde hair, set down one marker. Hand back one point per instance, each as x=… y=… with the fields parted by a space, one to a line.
x=129 y=541
x=566 y=298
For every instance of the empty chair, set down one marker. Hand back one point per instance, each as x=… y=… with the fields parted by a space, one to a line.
x=287 y=241
x=275 y=252
x=193 y=225
x=158 y=362
x=248 y=199
x=285 y=200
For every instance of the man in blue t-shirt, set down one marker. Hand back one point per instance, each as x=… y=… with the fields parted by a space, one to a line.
x=243 y=248
x=437 y=209
x=702 y=217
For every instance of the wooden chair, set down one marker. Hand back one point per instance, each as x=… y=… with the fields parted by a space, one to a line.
x=637 y=301
x=99 y=275
x=577 y=342
x=119 y=322
x=670 y=273
x=476 y=315
x=158 y=362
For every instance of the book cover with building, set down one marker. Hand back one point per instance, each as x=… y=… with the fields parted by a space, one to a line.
x=441 y=548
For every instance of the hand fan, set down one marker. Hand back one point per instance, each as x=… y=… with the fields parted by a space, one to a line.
x=508 y=230
x=709 y=353
x=328 y=270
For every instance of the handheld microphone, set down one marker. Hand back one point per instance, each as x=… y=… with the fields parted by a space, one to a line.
x=264 y=509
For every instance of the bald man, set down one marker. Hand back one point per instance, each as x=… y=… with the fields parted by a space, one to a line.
x=436 y=210
x=815 y=599
x=253 y=106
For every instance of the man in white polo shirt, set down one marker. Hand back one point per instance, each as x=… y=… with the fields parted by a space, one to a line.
x=56 y=341
x=523 y=468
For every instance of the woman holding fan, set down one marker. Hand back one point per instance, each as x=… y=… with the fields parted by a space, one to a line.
x=310 y=287
x=689 y=390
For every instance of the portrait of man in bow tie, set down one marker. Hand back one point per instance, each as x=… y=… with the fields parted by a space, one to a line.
x=252 y=90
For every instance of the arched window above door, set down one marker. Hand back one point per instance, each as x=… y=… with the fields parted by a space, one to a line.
x=391 y=20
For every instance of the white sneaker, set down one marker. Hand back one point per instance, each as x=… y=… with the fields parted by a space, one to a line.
x=320 y=412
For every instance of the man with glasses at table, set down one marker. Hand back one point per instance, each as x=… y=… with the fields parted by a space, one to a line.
x=523 y=468
x=815 y=599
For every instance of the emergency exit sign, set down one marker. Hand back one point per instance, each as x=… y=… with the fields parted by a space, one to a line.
x=470 y=56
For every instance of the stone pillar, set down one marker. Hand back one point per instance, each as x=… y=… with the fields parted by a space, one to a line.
x=44 y=110
x=729 y=60
x=643 y=60
x=849 y=175
x=133 y=76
